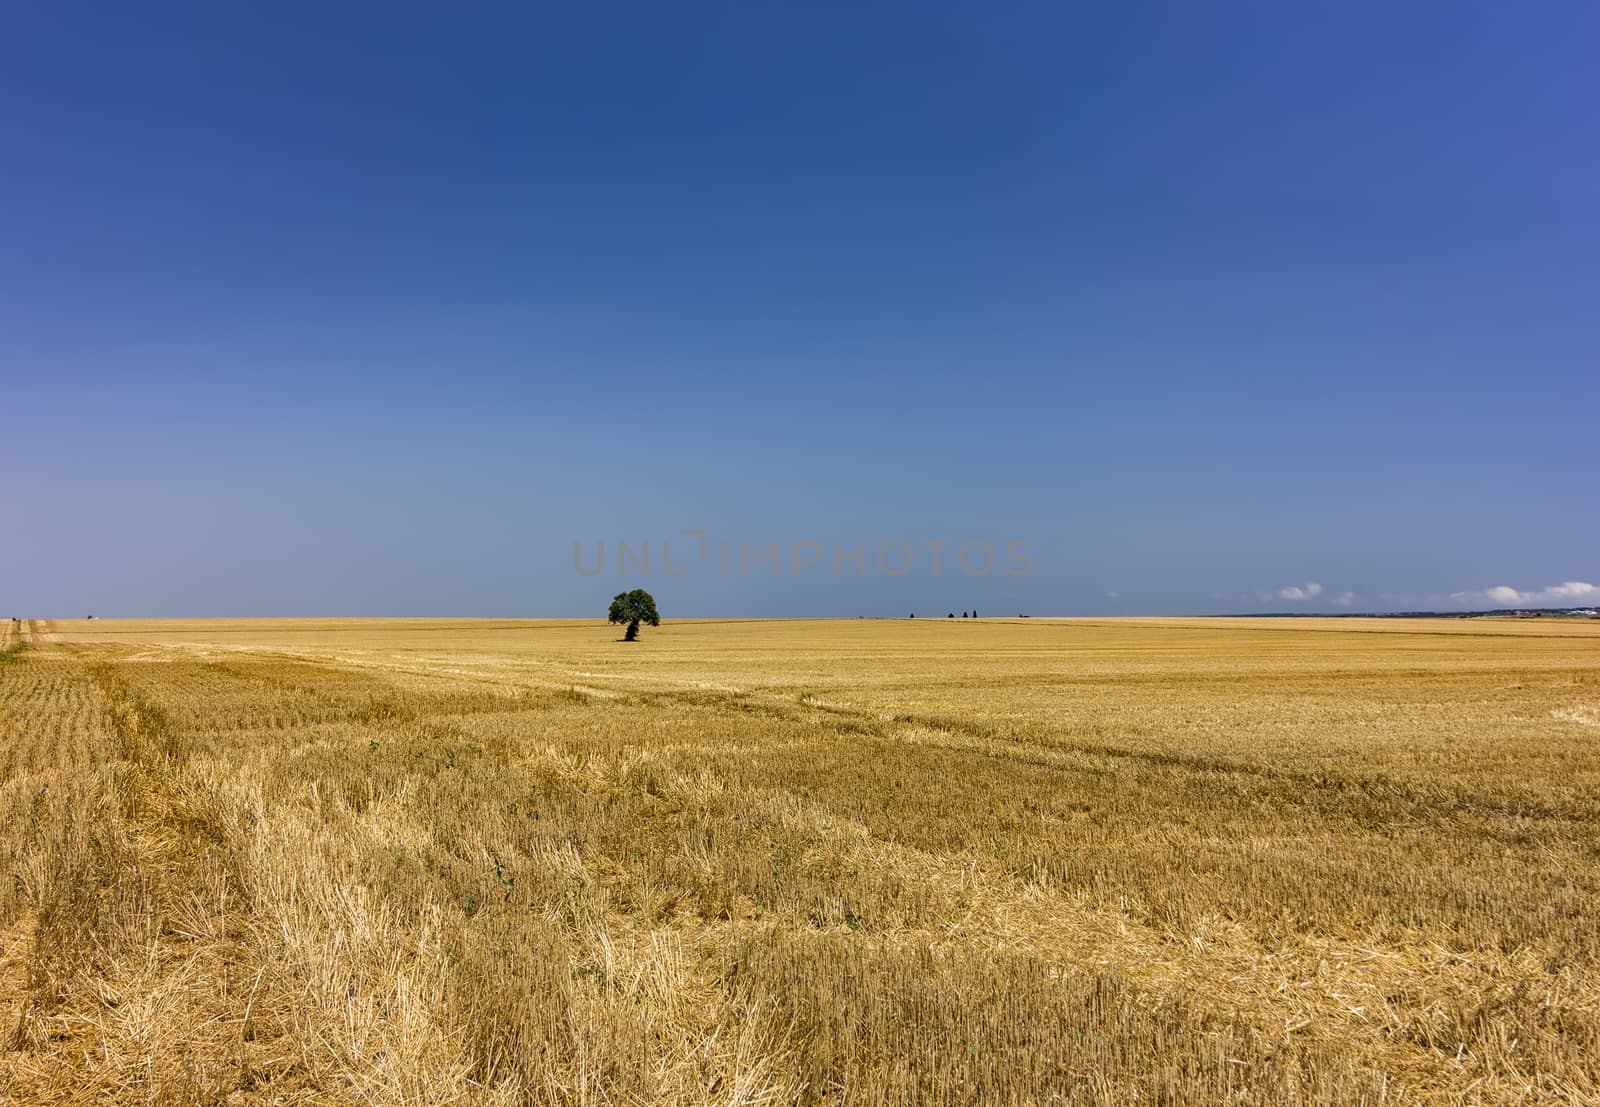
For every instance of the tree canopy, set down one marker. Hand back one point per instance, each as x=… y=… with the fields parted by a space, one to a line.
x=634 y=608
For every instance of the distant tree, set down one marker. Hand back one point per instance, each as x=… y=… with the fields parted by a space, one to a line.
x=913 y=614
x=634 y=608
x=963 y=614
x=974 y=613
x=952 y=615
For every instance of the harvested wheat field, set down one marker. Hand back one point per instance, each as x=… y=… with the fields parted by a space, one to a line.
x=993 y=861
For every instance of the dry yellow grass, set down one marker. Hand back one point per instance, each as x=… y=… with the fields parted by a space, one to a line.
x=1003 y=861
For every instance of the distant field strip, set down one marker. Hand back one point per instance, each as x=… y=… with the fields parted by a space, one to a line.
x=767 y=862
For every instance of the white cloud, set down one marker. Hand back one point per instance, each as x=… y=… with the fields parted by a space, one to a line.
x=1344 y=599
x=1575 y=590
x=1556 y=595
x=1306 y=591
x=1113 y=595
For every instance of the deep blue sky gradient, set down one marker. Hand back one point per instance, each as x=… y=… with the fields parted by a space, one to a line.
x=374 y=309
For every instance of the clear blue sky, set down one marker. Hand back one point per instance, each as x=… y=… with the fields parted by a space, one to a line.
x=375 y=308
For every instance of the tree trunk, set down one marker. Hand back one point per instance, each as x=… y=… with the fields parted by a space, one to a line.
x=633 y=632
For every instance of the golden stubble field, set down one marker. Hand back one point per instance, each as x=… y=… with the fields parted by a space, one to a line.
x=941 y=861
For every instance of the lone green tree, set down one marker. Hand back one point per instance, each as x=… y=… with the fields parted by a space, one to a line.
x=634 y=608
